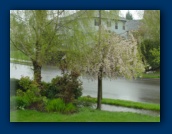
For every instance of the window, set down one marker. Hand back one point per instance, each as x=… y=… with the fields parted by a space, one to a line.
x=116 y=25
x=108 y=23
x=123 y=26
x=96 y=22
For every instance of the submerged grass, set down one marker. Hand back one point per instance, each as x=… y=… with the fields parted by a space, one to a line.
x=84 y=115
x=125 y=103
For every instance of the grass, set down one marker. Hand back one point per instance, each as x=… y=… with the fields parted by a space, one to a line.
x=85 y=115
x=151 y=75
x=125 y=103
x=18 y=55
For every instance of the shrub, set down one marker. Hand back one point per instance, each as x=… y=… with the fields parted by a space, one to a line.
x=17 y=102
x=70 y=108
x=49 y=90
x=150 y=51
x=24 y=83
x=21 y=102
x=32 y=98
x=58 y=105
x=67 y=87
x=55 y=105
x=39 y=104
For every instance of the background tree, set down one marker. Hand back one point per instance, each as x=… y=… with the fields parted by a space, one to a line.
x=129 y=16
x=44 y=36
x=33 y=32
x=150 y=38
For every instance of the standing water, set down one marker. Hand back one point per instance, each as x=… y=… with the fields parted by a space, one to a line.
x=141 y=90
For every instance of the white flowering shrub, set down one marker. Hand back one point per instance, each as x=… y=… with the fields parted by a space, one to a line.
x=118 y=57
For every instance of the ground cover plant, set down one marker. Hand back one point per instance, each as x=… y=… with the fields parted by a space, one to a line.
x=84 y=115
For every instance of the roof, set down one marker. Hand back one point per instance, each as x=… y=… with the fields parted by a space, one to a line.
x=133 y=24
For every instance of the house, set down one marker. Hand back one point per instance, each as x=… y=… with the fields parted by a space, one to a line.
x=109 y=19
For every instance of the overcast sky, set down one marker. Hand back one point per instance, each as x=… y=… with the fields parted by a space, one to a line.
x=137 y=14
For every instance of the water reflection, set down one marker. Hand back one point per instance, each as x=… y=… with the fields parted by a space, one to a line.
x=133 y=110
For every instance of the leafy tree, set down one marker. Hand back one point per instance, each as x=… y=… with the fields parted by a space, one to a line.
x=150 y=53
x=44 y=36
x=129 y=16
x=151 y=24
x=32 y=33
x=109 y=55
x=150 y=36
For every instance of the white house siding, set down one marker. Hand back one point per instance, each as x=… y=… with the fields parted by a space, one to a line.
x=91 y=24
x=119 y=31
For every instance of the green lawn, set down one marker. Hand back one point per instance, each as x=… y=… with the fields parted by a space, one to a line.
x=151 y=75
x=18 y=55
x=125 y=103
x=85 y=115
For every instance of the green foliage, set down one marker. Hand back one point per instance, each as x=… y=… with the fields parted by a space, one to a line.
x=17 y=102
x=30 y=95
x=150 y=38
x=58 y=105
x=67 y=87
x=16 y=54
x=156 y=54
x=152 y=75
x=47 y=90
x=129 y=16
x=70 y=108
x=151 y=53
x=24 y=83
x=151 y=24
x=55 y=105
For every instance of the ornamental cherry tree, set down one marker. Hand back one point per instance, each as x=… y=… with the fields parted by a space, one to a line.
x=114 y=57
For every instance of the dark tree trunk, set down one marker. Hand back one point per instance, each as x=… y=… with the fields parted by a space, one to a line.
x=37 y=72
x=99 y=94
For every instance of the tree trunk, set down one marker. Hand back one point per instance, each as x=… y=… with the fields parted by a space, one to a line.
x=99 y=94
x=37 y=72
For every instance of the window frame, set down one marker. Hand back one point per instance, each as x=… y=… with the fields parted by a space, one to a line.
x=116 y=24
x=96 y=22
x=123 y=26
x=109 y=23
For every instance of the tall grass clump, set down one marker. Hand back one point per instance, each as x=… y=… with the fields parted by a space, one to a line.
x=58 y=105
